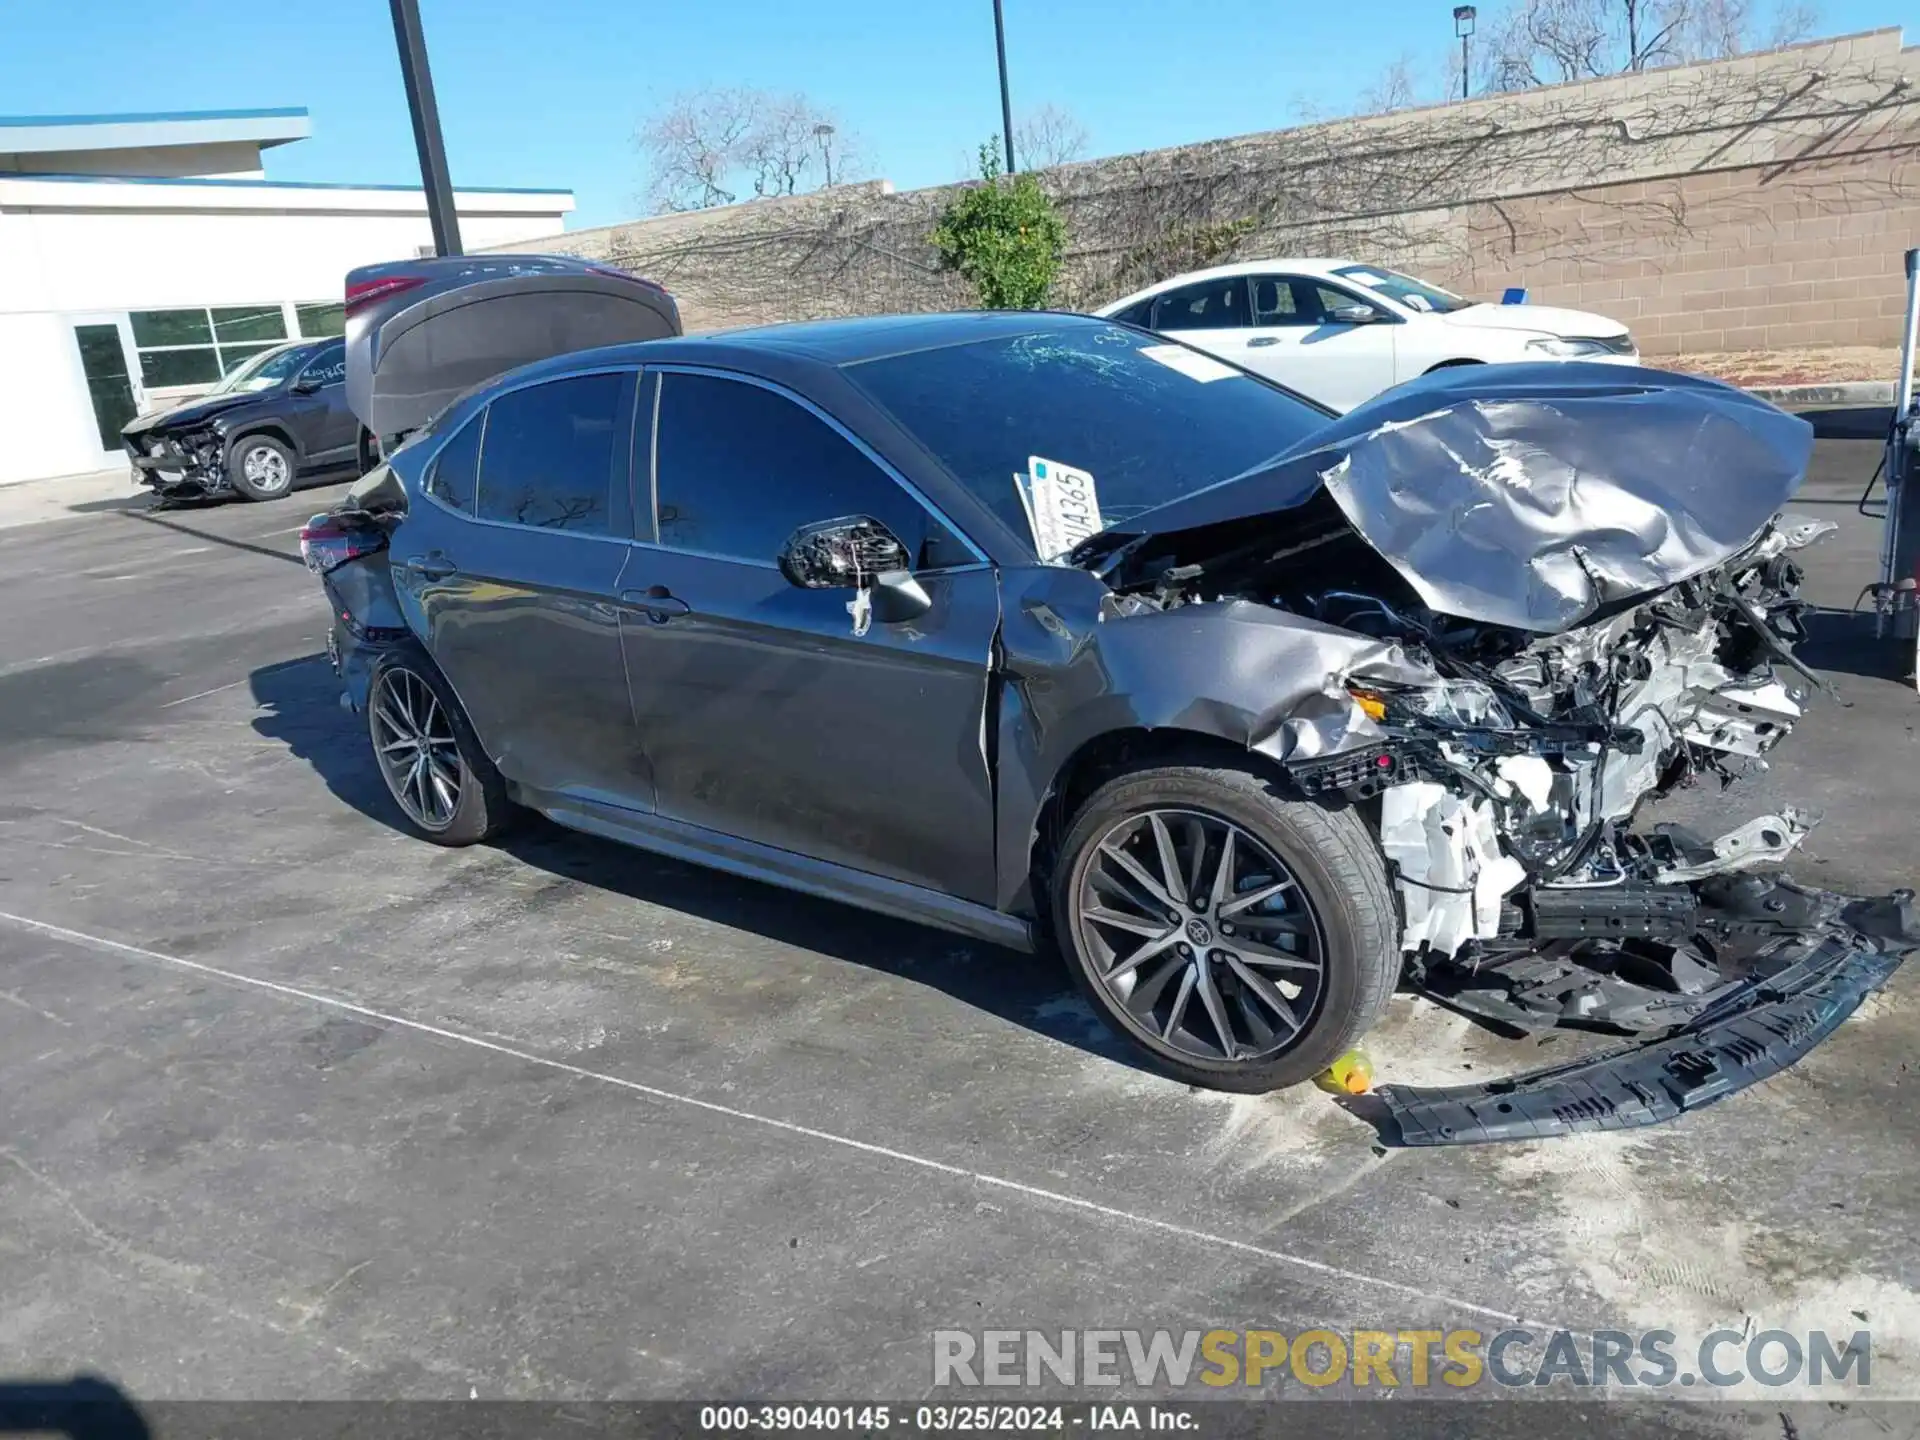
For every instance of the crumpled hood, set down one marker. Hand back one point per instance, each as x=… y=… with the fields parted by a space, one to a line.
x=1531 y=495
x=190 y=413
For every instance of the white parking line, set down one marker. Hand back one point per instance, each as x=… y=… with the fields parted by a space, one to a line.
x=201 y=695
x=808 y=1132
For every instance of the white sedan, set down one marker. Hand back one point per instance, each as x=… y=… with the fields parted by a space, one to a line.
x=1341 y=332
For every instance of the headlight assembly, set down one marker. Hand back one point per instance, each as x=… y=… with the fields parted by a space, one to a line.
x=1444 y=702
x=1561 y=348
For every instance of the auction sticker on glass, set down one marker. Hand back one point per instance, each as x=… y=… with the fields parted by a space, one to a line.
x=1190 y=363
x=1063 y=507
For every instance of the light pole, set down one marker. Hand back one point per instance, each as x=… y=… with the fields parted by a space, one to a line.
x=1463 y=17
x=1006 y=104
x=823 y=132
x=426 y=126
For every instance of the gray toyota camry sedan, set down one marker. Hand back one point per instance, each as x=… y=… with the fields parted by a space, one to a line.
x=1057 y=633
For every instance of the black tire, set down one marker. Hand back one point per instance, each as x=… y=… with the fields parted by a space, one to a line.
x=480 y=808
x=271 y=461
x=1346 y=910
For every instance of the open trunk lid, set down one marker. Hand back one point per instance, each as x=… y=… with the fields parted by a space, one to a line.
x=422 y=332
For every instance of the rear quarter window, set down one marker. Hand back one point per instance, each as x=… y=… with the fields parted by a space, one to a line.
x=453 y=475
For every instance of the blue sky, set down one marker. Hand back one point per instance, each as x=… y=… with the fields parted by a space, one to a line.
x=548 y=94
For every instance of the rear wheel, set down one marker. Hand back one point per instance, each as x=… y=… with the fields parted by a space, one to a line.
x=429 y=757
x=1240 y=938
x=260 y=467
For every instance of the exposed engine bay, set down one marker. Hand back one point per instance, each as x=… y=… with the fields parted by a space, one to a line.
x=1538 y=684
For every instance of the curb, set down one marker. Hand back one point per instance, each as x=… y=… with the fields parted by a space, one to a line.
x=1843 y=392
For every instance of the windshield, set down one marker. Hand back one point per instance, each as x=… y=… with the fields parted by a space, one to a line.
x=1412 y=293
x=1150 y=422
x=264 y=371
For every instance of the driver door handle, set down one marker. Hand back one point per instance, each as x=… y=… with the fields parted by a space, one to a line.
x=1260 y=340
x=434 y=565
x=660 y=605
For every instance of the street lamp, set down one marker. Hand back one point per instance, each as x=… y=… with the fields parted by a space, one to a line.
x=1463 y=17
x=823 y=132
x=1006 y=105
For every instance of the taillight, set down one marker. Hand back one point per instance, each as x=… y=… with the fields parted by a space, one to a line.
x=328 y=542
x=362 y=293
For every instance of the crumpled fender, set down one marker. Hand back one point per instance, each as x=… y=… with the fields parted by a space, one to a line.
x=1258 y=677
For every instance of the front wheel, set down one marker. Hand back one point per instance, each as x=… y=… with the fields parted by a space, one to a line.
x=429 y=756
x=1240 y=938
x=260 y=467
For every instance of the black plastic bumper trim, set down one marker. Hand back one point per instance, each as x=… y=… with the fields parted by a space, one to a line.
x=1650 y=1082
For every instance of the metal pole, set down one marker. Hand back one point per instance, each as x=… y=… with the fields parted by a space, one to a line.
x=1897 y=549
x=1464 y=40
x=1006 y=103
x=426 y=126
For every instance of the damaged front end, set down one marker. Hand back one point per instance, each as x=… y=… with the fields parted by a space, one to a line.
x=1597 y=602
x=183 y=466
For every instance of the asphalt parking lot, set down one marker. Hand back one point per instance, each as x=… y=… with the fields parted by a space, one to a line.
x=294 y=1105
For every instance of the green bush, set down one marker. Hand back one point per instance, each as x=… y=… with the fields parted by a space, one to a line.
x=1003 y=237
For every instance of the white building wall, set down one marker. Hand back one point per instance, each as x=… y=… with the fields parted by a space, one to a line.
x=46 y=418
x=61 y=265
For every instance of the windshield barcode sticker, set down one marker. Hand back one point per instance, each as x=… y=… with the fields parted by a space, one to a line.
x=1062 y=506
x=1190 y=363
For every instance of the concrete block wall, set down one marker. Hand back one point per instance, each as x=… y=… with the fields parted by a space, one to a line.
x=1756 y=203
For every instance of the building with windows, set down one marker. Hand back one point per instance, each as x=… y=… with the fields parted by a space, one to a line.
x=143 y=256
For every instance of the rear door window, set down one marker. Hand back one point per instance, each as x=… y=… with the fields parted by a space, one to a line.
x=549 y=452
x=1205 y=305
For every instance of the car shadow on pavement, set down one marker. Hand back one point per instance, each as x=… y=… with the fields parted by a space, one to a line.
x=299 y=706
x=83 y=1408
x=150 y=518
x=1842 y=642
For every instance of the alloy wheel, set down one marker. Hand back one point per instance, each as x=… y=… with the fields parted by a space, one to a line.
x=265 y=468
x=413 y=741
x=1201 y=936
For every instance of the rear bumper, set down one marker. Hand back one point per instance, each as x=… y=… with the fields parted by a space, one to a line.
x=1741 y=1041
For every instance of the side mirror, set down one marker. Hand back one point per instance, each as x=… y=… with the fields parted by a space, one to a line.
x=1353 y=315
x=856 y=552
x=304 y=386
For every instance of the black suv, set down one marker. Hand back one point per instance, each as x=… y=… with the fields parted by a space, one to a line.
x=281 y=417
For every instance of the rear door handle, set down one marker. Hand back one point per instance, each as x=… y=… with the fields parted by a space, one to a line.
x=660 y=605
x=433 y=566
x=1261 y=340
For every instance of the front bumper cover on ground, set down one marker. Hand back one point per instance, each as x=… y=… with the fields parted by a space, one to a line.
x=1741 y=1041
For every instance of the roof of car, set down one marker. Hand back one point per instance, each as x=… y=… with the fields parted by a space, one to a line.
x=828 y=344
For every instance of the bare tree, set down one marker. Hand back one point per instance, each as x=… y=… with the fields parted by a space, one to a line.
x=713 y=147
x=1050 y=135
x=1548 y=42
x=1396 y=88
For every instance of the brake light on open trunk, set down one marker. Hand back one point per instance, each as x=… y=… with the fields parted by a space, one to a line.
x=361 y=293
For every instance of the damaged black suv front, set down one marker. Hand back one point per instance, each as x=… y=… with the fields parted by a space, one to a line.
x=1582 y=594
